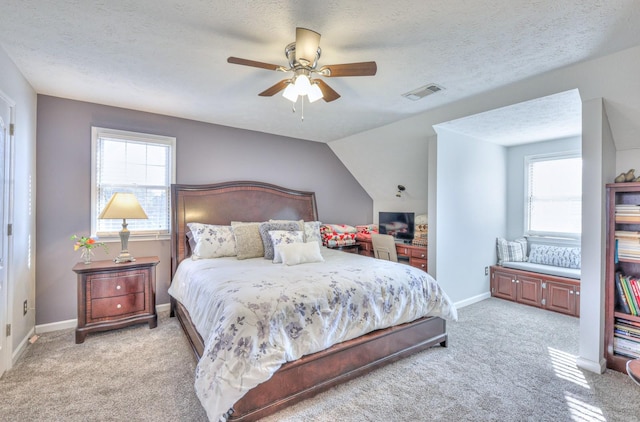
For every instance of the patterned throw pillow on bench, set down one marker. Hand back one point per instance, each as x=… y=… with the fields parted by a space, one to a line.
x=558 y=256
x=511 y=251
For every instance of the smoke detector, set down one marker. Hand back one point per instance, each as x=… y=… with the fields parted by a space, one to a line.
x=422 y=92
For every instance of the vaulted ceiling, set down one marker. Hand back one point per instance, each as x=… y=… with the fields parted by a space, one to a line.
x=170 y=57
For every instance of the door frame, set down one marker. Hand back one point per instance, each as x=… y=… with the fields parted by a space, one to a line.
x=6 y=294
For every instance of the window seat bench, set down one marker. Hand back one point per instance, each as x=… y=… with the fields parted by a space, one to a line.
x=544 y=286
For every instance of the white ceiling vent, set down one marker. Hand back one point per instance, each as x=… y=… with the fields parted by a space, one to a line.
x=422 y=92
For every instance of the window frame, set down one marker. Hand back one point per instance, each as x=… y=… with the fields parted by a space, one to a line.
x=98 y=132
x=528 y=160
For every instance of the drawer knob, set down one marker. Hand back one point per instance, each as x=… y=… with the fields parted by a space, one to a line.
x=421 y=255
x=118 y=306
x=422 y=265
x=118 y=287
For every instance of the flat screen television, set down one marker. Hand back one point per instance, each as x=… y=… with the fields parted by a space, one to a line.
x=398 y=224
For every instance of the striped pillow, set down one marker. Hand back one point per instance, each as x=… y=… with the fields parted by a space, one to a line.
x=511 y=251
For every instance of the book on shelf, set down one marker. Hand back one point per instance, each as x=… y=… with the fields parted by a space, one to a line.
x=626 y=328
x=624 y=283
x=628 y=322
x=621 y=300
x=628 y=346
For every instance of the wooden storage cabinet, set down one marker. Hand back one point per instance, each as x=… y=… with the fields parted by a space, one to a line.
x=539 y=290
x=617 y=194
x=415 y=255
x=114 y=295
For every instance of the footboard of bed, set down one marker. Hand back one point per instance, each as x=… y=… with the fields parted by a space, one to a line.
x=320 y=371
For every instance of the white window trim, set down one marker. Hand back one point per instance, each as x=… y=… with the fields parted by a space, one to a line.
x=97 y=132
x=555 y=237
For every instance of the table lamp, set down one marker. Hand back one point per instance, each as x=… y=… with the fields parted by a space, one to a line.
x=123 y=205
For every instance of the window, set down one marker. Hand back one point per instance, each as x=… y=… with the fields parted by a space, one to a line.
x=553 y=195
x=137 y=163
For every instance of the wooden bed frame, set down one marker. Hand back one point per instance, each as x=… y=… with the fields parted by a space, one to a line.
x=222 y=203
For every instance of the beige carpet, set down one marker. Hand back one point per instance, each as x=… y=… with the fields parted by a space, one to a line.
x=505 y=362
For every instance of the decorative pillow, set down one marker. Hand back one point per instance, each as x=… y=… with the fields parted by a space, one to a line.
x=559 y=256
x=191 y=241
x=284 y=237
x=212 y=241
x=300 y=253
x=299 y=222
x=312 y=232
x=248 y=240
x=268 y=226
x=515 y=251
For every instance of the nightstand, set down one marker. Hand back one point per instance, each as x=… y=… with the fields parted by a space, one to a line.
x=114 y=295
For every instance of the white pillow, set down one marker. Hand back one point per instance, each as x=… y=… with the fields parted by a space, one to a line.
x=284 y=237
x=212 y=241
x=312 y=232
x=300 y=253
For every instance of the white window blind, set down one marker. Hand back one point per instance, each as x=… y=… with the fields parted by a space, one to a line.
x=554 y=195
x=136 y=163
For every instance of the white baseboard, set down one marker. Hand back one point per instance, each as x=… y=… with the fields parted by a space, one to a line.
x=72 y=323
x=589 y=365
x=21 y=347
x=472 y=300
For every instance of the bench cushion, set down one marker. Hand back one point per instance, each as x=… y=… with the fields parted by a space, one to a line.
x=544 y=269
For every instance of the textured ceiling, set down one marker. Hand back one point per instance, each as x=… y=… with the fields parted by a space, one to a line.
x=169 y=57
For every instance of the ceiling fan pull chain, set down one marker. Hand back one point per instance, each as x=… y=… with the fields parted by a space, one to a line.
x=302 y=109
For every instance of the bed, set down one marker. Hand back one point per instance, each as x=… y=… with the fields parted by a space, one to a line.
x=300 y=375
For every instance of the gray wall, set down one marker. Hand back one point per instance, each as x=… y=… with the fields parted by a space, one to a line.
x=206 y=153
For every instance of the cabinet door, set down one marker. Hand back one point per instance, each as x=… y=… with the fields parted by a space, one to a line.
x=529 y=290
x=504 y=285
x=560 y=298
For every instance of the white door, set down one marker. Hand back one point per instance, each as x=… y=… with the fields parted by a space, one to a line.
x=5 y=143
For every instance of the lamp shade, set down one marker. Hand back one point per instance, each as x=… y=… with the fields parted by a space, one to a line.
x=123 y=205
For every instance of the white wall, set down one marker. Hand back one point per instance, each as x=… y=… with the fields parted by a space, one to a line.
x=21 y=263
x=471 y=212
x=381 y=160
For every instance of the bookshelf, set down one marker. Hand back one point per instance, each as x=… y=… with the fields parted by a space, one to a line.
x=622 y=303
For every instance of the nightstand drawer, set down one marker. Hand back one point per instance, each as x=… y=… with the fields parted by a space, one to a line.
x=116 y=306
x=417 y=253
x=102 y=286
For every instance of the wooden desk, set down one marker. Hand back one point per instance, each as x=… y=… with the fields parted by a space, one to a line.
x=416 y=256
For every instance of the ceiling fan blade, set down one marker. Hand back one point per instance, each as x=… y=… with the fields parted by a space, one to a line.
x=275 y=88
x=252 y=63
x=349 y=69
x=307 y=43
x=328 y=94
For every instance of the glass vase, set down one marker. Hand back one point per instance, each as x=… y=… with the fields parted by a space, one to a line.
x=86 y=255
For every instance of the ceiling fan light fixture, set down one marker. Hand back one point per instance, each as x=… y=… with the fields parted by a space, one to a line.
x=291 y=93
x=315 y=93
x=302 y=84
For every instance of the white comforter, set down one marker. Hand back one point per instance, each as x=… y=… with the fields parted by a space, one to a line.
x=255 y=315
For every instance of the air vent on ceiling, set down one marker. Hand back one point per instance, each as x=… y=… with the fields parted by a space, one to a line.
x=422 y=92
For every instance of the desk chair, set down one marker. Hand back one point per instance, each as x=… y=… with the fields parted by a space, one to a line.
x=384 y=247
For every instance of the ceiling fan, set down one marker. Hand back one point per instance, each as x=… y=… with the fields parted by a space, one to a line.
x=303 y=55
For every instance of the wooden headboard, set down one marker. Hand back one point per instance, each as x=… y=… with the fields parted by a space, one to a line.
x=222 y=203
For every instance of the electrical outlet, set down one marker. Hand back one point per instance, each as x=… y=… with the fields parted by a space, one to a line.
x=486 y=270
x=24 y=308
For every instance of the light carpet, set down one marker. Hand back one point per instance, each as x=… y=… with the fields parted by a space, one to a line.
x=505 y=362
